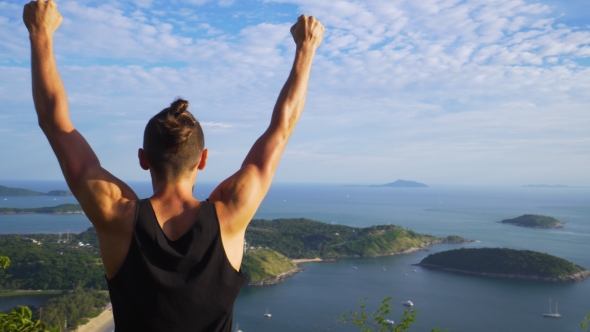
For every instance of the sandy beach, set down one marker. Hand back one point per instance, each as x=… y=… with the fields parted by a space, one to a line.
x=306 y=260
x=100 y=322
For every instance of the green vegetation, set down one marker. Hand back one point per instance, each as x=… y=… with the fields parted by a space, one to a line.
x=20 y=319
x=62 y=208
x=264 y=264
x=75 y=307
x=44 y=261
x=535 y=221
x=503 y=261
x=304 y=238
x=7 y=191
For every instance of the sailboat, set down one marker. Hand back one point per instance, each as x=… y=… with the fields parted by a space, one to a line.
x=267 y=314
x=552 y=314
x=238 y=328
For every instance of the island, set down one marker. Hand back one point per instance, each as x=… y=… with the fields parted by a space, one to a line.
x=545 y=186
x=308 y=239
x=534 y=221
x=59 y=209
x=7 y=191
x=402 y=184
x=506 y=263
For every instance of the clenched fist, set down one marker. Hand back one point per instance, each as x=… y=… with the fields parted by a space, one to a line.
x=41 y=17
x=307 y=31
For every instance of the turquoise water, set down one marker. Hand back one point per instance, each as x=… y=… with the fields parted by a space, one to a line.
x=309 y=300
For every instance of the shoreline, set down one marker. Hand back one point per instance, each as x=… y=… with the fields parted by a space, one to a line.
x=98 y=323
x=29 y=292
x=580 y=276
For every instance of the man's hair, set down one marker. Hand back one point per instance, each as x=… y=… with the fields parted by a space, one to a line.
x=173 y=141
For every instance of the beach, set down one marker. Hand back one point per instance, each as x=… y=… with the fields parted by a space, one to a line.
x=100 y=322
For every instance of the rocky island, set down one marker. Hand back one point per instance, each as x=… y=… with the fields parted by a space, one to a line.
x=402 y=184
x=7 y=191
x=506 y=263
x=534 y=221
x=60 y=209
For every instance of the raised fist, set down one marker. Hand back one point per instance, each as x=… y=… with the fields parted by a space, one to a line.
x=307 y=31
x=41 y=17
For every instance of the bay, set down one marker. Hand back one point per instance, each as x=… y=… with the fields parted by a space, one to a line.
x=309 y=300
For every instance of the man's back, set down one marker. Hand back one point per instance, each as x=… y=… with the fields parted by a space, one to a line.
x=174 y=153
x=176 y=272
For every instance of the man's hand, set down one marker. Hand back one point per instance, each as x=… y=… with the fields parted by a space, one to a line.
x=41 y=17
x=307 y=31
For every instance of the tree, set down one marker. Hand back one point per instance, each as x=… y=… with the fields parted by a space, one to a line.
x=586 y=322
x=20 y=319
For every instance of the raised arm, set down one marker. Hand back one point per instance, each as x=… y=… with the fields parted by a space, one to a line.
x=238 y=197
x=101 y=195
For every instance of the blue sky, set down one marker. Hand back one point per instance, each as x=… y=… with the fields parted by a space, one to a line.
x=437 y=91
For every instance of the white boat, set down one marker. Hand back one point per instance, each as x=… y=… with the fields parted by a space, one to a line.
x=267 y=314
x=389 y=322
x=384 y=269
x=408 y=303
x=414 y=271
x=238 y=328
x=354 y=267
x=552 y=314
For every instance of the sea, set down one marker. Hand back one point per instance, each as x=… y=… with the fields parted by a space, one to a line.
x=313 y=299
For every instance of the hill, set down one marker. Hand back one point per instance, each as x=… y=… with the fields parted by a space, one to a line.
x=60 y=209
x=7 y=191
x=266 y=266
x=403 y=184
x=506 y=263
x=305 y=238
x=534 y=221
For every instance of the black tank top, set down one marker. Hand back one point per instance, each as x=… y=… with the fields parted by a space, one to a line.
x=182 y=285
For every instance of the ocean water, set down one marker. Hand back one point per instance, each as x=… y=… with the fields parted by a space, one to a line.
x=310 y=300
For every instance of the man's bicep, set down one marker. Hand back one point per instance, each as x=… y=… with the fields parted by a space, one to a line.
x=95 y=188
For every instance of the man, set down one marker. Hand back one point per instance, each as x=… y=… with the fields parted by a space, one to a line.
x=172 y=262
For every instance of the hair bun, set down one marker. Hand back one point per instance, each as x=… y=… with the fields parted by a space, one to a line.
x=179 y=106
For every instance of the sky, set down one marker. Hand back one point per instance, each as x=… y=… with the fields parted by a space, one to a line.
x=467 y=92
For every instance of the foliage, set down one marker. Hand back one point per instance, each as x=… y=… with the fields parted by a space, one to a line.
x=62 y=208
x=534 y=220
x=266 y=263
x=74 y=307
x=377 y=320
x=48 y=264
x=304 y=238
x=586 y=323
x=4 y=262
x=502 y=261
x=20 y=319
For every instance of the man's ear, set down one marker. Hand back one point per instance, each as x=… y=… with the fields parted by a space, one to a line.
x=203 y=161
x=143 y=159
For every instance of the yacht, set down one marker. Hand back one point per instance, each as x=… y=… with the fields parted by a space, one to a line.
x=552 y=314
x=408 y=303
x=267 y=314
x=389 y=322
x=238 y=328
x=384 y=269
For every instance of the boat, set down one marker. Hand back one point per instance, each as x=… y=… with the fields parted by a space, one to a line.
x=267 y=314
x=552 y=314
x=384 y=269
x=238 y=328
x=354 y=267
x=408 y=303
x=389 y=322
x=414 y=271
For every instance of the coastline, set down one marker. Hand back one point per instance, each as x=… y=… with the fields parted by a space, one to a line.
x=100 y=322
x=580 y=276
x=275 y=279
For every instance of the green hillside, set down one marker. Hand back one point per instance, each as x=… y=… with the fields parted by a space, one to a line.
x=264 y=264
x=63 y=208
x=535 y=221
x=305 y=238
x=7 y=191
x=503 y=261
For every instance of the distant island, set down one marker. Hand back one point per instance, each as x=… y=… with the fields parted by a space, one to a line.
x=534 y=221
x=402 y=184
x=396 y=184
x=506 y=263
x=60 y=209
x=7 y=191
x=546 y=186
